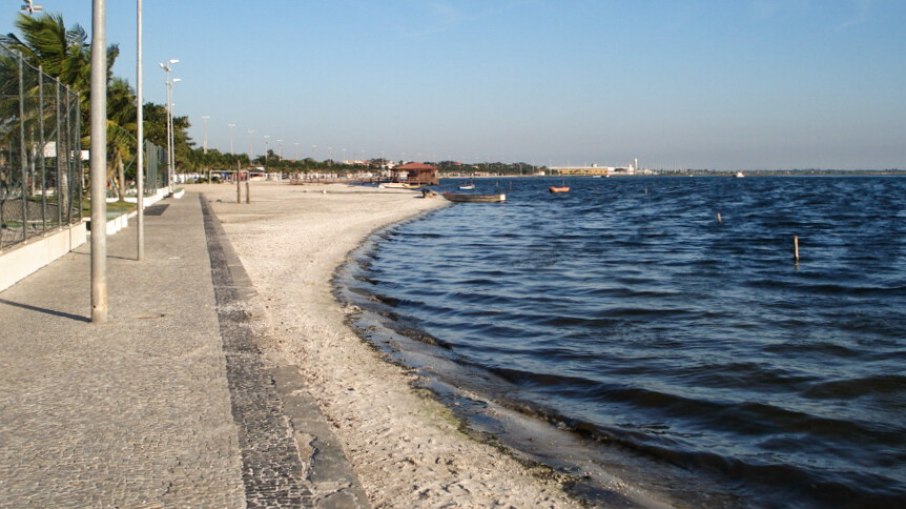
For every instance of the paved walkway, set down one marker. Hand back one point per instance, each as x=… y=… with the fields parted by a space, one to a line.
x=170 y=403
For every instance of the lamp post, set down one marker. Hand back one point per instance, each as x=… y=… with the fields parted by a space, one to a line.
x=30 y=7
x=173 y=128
x=99 y=295
x=205 y=118
x=251 y=132
x=139 y=135
x=166 y=67
x=266 y=149
x=231 y=126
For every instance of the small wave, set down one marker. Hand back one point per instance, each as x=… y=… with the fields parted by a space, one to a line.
x=859 y=387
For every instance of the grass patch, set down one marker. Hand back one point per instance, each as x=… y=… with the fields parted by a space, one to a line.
x=121 y=207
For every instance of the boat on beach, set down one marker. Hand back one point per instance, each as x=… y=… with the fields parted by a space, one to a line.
x=475 y=198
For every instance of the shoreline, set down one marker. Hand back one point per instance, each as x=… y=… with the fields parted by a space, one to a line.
x=406 y=447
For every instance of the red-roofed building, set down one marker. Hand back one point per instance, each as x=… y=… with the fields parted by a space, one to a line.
x=416 y=173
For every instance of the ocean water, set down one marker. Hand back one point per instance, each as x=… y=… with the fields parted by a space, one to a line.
x=625 y=336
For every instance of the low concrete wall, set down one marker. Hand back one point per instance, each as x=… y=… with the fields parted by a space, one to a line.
x=27 y=258
x=22 y=260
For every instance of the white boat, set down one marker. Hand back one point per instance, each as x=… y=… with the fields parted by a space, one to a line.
x=467 y=187
x=740 y=174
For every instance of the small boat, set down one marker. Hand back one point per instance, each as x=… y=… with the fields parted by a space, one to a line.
x=467 y=187
x=393 y=185
x=475 y=198
x=740 y=174
x=558 y=189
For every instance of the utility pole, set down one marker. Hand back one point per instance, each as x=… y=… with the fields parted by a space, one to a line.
x=98 y=162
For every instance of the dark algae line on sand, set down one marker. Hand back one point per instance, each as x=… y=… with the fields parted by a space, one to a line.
x=689 y=356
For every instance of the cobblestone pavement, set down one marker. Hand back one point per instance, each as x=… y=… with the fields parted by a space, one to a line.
x=168 y=404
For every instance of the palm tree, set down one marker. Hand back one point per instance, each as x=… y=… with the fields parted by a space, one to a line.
x=47 y=45
x=61 y=53
x=121 y=139
x=66 y=55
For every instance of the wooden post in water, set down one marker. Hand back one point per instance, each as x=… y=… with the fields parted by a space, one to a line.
x=796 y=248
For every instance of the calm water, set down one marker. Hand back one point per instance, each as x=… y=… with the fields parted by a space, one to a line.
x=690 y=356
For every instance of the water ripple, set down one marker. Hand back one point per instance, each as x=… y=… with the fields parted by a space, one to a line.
x=625 y=312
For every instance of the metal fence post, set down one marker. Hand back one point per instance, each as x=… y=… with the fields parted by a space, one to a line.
x=41 y=144
x=23 y=162
x=60 y=152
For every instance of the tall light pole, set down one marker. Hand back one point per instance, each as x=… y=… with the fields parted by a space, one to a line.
x=205 y=118
x=30 y=7
x=140 y=137
x=166 y=67
x=251 y=132
x=231 y=126
x=173 y=128
x=266 y=137
x=98 y=162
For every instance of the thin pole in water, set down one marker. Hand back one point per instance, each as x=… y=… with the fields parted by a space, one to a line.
x=719 y=220
x=796 y=248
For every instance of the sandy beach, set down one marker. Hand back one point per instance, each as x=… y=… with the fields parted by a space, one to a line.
x=405 y=447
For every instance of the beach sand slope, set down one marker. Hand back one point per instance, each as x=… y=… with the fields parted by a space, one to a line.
x=405 y=447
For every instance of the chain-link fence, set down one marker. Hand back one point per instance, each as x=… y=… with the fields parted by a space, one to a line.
x=155 y=168
x=40 y=153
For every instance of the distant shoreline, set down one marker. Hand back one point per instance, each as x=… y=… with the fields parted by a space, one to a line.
x=704 y=173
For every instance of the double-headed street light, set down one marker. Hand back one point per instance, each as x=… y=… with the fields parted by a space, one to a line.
x=166 y=66
x=30 y=7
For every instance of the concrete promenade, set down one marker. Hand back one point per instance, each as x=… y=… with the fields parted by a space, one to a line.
x=170 y=403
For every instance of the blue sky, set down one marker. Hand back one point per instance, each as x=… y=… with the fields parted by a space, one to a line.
x=731 y=84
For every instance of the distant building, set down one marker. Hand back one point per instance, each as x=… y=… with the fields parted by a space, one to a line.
x=416 y=173
x=594 y=169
